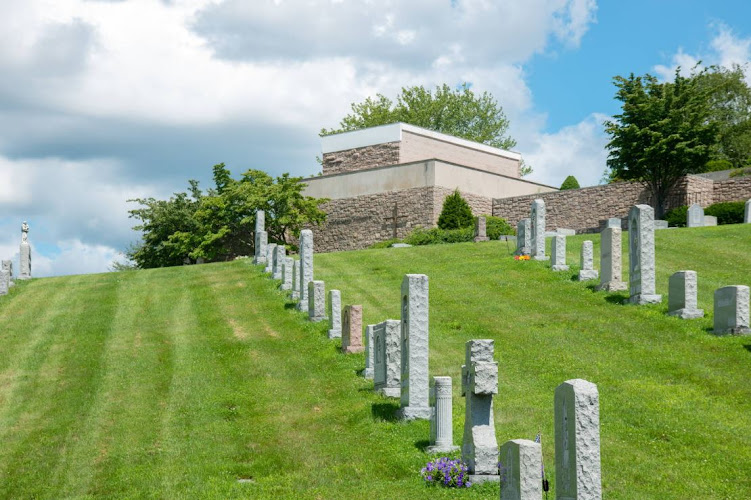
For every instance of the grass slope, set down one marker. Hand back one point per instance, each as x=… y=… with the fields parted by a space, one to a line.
x=176 y=382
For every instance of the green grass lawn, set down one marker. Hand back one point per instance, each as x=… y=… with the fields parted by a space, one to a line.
x=175 y=383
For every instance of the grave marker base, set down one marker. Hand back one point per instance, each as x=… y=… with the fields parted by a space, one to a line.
x=612 y=286
x=414 y=412
x=688 y=313
x=644 y=298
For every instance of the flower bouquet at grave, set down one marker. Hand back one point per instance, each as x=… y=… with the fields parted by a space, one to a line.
x=446 y=472
x=521 y=257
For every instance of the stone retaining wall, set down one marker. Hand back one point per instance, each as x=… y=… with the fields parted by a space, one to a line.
x=735 y=189
x=352 y=160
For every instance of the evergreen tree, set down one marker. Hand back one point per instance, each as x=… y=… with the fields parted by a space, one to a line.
x=456 y=213
x=570 y=183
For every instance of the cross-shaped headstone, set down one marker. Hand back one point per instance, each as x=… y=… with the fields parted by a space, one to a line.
x=393 y=221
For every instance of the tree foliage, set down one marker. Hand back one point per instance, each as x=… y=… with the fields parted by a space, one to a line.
x=456 y=213
x=219 y=224
x=458 y=111
x=570 y=183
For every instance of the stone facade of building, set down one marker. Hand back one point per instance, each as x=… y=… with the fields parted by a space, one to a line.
x=363 y=158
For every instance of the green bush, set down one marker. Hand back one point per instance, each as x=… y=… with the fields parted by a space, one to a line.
x=717 y=165
x=729 y=212
x=676 y=217
x=385 y=244
x=570 y=183
x=740 y=172
x=456 y=213
x=496 y=226
x=436 y=236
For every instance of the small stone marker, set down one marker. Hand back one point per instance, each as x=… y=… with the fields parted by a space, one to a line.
x=641 y=256
x=523 y=237
x=537 y=228
x=306 y=265
x=481 y=229
x=270 y=258
x=387 y=361
x=25 y=258
x=414 y=339
x=287 y=267
x=695 y=216
x=611 y=278
x=587 y=271
x=521 y=463
x=279 y=255
x=296 y=280
x=682 y=289
x=8 y=266
x=614 y=222
x=747 y=212
x=558 y=258
x=369 y=352
x=441 y=427
x=335 y=314
x=352 y=329
x=261 y=238
x=660 y=224
x=731 y=315
x=577 y=441
x=316 y=301
x=4 y=282
x=565 y=232
x=479 y=384
x=710 y=220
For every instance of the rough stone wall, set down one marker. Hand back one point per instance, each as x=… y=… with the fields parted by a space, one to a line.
x=691 y=189
x=735 y=189
x=363 y=158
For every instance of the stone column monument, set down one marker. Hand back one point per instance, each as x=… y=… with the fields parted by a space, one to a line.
x=682 y=292
x=537 y=230
x=587 y=271
x=641 y=255
x=559 y=253
x=414 y=339
x=334 y=308
x=480 y=229
x=611 y=278
x=369 y=353
x=523 y=235
x=261 y=238
x=479 y=385
x=25 y=271
x=388 y=358
x=441 y=428
x=521 y=463
x=306 y=266
x=8 y=266
x=747 y=212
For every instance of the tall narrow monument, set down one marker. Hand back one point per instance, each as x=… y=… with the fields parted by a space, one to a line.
x=414 y=339
x=306 y=266
x=537 y=229
x=25 y=271
x=641 y=255
x=261 y=238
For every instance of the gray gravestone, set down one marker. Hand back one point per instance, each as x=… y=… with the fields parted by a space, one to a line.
x=261 y=238
x=280 y=253
x=269 y=258
x=25 y=258
x=537 y=228
x=387 y=359
x=695 y=216
x=369 y=352
x=414 y=339
x=614 y=222
x=481 y=229
x=479 y=385
x=296 y=280
x=287 y=267
x=731 y=315
x=641 y=256
x=747 y=212
x=335 y=314
x=352 y=329
x=523 y=237
x=558 y=257
x=521 y=462
x=306 y=265
x=577 y=441
x=316 y=301
x=441 y=422
x=4 y=282
x=611 y=278
x=710 y=220
x=587 y=271
x=682 y=291
x=565 y=232
x=660 y=224
x=8 y=266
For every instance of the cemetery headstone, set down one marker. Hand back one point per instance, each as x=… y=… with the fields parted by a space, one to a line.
x=641 y=256
x=611 y=278
x=306 y=265
x=387 y=361
x=316 y=301
x=613 y=222
x=335 y=314
x=414 y=340
x=296 y=280
x=747 y=212
x=261 y=238
x=565 y=232
x=369 y=352
x=4 y=282
x=352 y=329
x=695 y=216
x=577 y=441
x=587 y=271
x=479 y=385
x=710 y=220
x=481 y=229
x=270 y=258
x=682 y=291
x=521 y=462
x=537 y=227
x=731 y=315
x=523 y=237
x=8 y=266
x=280 y=252
x=660 y=224
x=441 y=426
x=558 y=257
x=287 y=273
x=25 y=258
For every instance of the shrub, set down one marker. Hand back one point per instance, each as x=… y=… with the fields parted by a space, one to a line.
x=729 y=212
x=570 y=183
x=496 y=226
x=446 y=472
x=717 y=165
x=740 y=172
x=455 y=213
x=676 y=217
x=436 y=236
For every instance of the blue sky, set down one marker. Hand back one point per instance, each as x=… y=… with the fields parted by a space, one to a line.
x=102 y=101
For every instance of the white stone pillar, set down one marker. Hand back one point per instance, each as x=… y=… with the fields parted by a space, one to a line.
x=279 y=254
x=287 y=273
x=296 y=280
x=523 y=235
x=335 y=314
x=587 y=271
x=481 y=229
x=521 y=466
x=4 y=282
x=441 y=421
x=747 y=213
x=270 y=258
x=731 y=314
x=306 y=266
x=369 y=352
x=682 y=292
x=641 y=256
x=611 y=277
x=577 y=441
x=261 y=238
x=414 y=339
x=25 y=271
x=537 y=227
x=558 y=262
x=316 y=301
x=388 y=358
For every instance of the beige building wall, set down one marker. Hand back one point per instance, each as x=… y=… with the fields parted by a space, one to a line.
x=415 y=147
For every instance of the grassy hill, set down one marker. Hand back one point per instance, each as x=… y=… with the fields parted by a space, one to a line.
x=175 y=383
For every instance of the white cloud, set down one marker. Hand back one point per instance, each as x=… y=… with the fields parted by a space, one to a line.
x=74 y=258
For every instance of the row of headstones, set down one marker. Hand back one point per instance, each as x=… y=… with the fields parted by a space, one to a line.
x=695 y=216
x=6 y=270
x=396 y=354
x=731 y=303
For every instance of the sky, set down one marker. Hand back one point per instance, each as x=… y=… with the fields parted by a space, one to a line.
x=103 y=101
